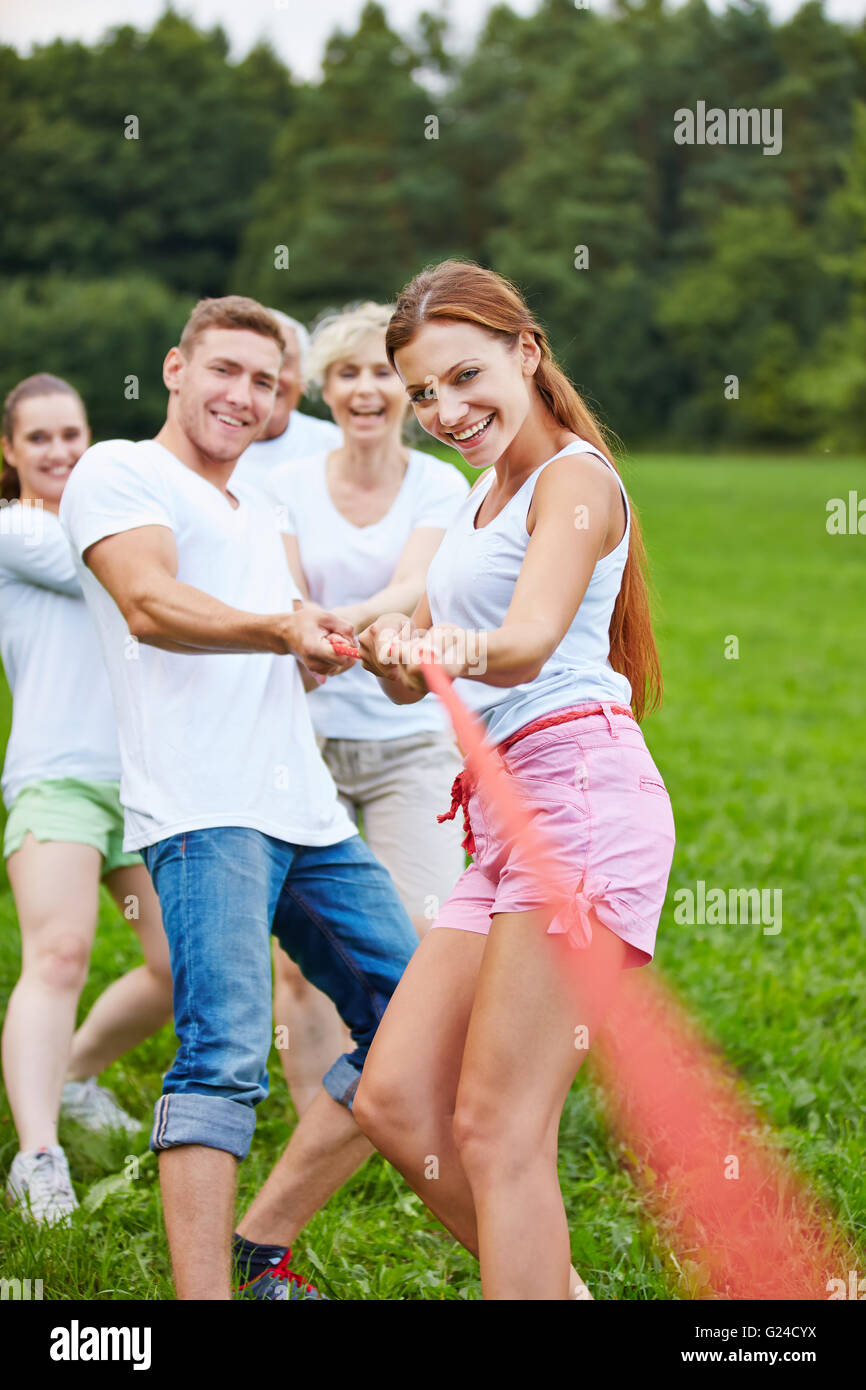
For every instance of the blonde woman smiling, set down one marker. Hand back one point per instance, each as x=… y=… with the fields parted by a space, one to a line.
x=362 y=523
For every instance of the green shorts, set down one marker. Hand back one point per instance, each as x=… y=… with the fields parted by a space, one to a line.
x=83 y=813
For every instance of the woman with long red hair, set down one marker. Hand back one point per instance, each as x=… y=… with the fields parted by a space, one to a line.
x=536 y=605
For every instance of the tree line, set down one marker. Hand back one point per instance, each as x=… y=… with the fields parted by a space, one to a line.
x=699 y=282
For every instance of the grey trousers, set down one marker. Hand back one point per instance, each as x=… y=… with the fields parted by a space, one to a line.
x=400 y=785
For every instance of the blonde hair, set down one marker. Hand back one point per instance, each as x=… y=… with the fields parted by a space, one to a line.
x=231 y=311
x=338 y=333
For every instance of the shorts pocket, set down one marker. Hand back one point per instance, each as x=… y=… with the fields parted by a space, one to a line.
x=533 y=747
x=653 y=784
x=569 y=790
x=552 y=767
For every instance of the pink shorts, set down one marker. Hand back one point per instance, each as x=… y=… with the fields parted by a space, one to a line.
x=598 y=799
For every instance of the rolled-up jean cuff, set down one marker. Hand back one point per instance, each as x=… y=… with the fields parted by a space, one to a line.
x=185 y=1117
x=341 y=1081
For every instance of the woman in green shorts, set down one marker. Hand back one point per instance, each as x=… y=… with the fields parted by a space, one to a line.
x=65 y=824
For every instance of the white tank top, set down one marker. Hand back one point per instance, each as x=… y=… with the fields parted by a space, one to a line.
x=471 y=582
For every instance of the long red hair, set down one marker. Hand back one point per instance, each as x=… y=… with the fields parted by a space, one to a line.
x=468 y=293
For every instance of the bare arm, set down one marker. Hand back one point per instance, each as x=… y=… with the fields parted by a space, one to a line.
x=553 y=579
x=406 y=586
x=556 y=570
x=139 y=569
x=293 y=555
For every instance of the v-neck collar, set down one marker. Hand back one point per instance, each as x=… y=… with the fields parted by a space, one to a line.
x=180 y=463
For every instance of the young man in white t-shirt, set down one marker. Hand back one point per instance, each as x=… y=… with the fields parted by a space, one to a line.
x=227 y=798
x=289 y=434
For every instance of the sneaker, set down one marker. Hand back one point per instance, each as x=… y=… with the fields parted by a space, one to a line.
x=39 y=1182
x=91 y=1105
x=276 y=1282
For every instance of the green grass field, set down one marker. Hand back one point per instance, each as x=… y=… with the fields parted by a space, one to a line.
x=765 y=761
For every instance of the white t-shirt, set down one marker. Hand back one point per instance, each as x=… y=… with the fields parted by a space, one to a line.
x=344 y=564
x=304 y=435
x=62 y=717
x=206 y=739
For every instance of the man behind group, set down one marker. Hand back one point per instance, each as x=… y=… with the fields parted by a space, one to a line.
x=288 y=436
x=289 y=433
x=226 y=796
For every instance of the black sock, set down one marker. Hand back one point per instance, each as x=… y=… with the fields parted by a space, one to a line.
x=251 y=1259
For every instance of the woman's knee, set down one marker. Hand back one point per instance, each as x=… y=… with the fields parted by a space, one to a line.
x=160 y=979
x=157 y=963
x=60 y=958
x=494 y=1139
x=384 y=1109
x=474 y=1129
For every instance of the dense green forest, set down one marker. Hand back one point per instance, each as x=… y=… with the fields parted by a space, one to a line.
x=713 y=293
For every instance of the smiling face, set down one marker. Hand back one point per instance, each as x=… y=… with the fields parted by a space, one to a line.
x=49 y=436
x=365 y=394
x=223 y=394
x=469 y=388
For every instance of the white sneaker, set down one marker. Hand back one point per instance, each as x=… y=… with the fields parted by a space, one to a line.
x=91 y=1105
x=39 y=1182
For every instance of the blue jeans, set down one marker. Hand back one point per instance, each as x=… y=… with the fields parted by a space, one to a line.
x=334 y=910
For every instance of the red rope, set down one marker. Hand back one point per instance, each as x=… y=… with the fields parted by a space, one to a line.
x=461 y=787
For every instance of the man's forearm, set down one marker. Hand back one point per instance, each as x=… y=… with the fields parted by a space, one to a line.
x=180 y=618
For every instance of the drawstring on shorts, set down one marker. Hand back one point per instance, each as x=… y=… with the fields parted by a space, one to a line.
x=462 y=787
x=460 y=793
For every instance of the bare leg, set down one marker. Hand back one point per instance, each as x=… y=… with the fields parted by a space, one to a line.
x=324 y=1151
x=56 y=891
x=406 y=1099
x=518 y=1065
x=315 y=1033
x=133 y=1007
x=198 y=1197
